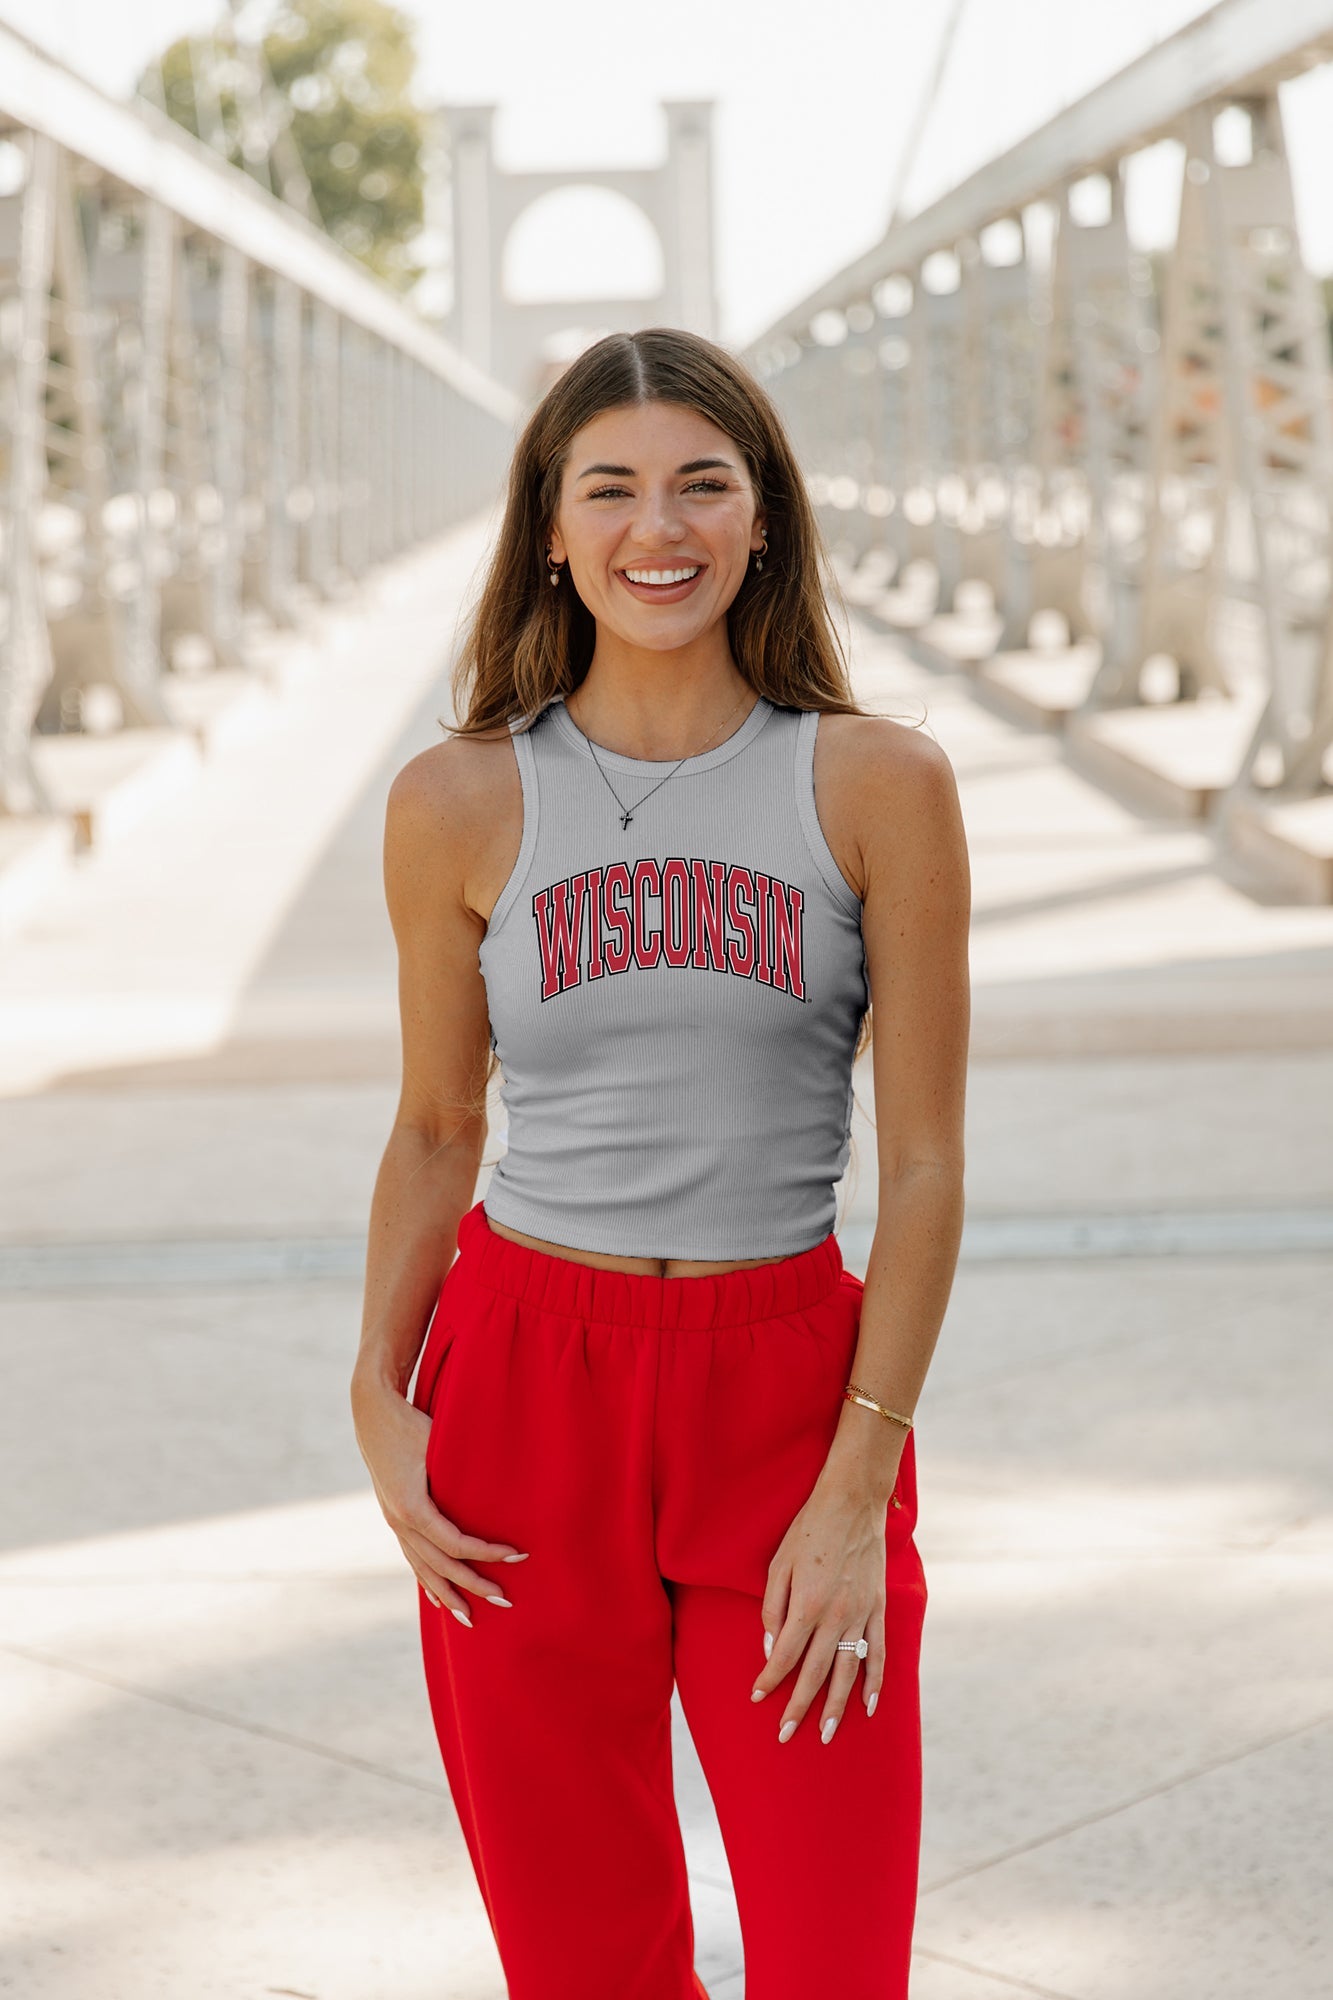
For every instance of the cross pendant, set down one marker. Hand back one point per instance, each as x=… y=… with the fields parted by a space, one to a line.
x=625 y=818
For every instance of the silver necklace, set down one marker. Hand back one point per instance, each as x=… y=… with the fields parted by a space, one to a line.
x=627 y=812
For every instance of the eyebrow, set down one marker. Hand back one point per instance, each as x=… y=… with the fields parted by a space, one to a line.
x=627 y=471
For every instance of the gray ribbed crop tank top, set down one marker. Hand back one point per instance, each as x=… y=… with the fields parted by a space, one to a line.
x=674 y=1003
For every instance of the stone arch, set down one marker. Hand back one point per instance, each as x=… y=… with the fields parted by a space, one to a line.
x=509 y=338
x=582 y=223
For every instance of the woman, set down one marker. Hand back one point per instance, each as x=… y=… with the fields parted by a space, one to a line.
x=655 y=875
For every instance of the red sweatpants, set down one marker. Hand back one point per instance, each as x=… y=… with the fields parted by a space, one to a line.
x=649 y=1441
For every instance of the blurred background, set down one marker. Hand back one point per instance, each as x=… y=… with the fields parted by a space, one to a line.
x=1044 y=297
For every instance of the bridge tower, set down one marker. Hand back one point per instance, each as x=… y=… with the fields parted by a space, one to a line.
x=509 y=338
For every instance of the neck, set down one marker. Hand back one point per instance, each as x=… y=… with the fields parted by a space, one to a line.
x=659 y=706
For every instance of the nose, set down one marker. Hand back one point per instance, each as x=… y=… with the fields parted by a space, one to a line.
x=657 y=519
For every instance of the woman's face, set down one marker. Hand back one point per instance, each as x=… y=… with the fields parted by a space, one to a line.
x=654 y=489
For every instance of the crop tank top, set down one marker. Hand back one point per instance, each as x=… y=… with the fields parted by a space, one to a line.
x=674 y=1002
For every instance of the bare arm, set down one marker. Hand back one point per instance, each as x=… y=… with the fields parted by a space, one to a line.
x=429 y=1171
x=895 y=789
x=915 y=923
x=433 y=845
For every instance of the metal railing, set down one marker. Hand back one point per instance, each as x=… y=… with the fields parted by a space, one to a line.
x=207 y=409
x=1010 y=404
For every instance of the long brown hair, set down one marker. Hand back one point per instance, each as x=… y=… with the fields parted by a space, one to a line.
x=524 y=643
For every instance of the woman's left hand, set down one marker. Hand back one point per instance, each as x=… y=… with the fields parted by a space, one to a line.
x=827 y=1582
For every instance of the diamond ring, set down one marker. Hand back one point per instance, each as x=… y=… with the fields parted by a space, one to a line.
x=858 y=1646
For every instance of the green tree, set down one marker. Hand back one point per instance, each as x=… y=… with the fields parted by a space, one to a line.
x=342 y=73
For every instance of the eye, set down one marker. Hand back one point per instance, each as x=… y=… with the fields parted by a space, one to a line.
x=609 y=492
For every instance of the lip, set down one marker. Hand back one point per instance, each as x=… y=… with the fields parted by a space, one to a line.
x=656 y=593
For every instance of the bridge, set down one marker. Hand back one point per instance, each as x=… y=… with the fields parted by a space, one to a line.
x=208 y=413
x=1080 y=522
x=1002 y=430
x=1112 y=509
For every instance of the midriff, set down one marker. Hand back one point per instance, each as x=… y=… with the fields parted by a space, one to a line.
x=646 y=1267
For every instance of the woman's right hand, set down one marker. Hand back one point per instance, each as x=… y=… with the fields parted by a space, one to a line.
x=392 y=1435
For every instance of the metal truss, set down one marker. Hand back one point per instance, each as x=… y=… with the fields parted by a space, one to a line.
x=208 y=412
x=998 y=373
x=1041 y=426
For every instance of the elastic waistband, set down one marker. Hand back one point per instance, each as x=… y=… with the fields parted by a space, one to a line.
x=728 y=1298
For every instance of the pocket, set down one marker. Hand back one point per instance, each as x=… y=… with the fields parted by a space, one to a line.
x=902 y=1500
x=439 y=1339
x=904 y=1503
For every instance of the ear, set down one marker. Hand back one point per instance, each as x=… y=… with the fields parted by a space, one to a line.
x=556 y=546
x=757 y=533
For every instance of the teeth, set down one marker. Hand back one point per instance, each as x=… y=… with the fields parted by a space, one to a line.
x=661 y=575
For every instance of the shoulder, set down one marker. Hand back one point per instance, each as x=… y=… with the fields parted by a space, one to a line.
x=870 y=750
x=454 y=786
x=452 y=815
x=887 y=792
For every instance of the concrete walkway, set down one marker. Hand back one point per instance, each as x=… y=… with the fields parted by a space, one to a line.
x=220 y=1777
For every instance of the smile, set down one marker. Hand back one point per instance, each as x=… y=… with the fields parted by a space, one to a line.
x=662 y=586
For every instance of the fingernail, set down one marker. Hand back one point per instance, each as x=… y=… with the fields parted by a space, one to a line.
x=500 y=1600
x=461 y=1616
x=433 y=1598
x=757 y=1694
x=870 y=1705
x=515 y=1559
x=787 y=1730
x=830 y=1724
x=768 y=1645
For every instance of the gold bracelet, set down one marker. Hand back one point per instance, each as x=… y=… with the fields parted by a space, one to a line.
x=855 y=1395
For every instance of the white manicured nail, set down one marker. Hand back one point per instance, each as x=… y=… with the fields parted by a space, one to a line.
x=500 y=1600
x=461 y=1616
x=787 y=1731
x=830 y=1724
x=870 y=1705
x=768 y=1645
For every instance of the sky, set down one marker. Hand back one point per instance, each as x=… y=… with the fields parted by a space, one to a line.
x=814 y=106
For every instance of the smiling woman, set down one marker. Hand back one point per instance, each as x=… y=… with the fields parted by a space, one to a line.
x=654 y=876
x=715 y=522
